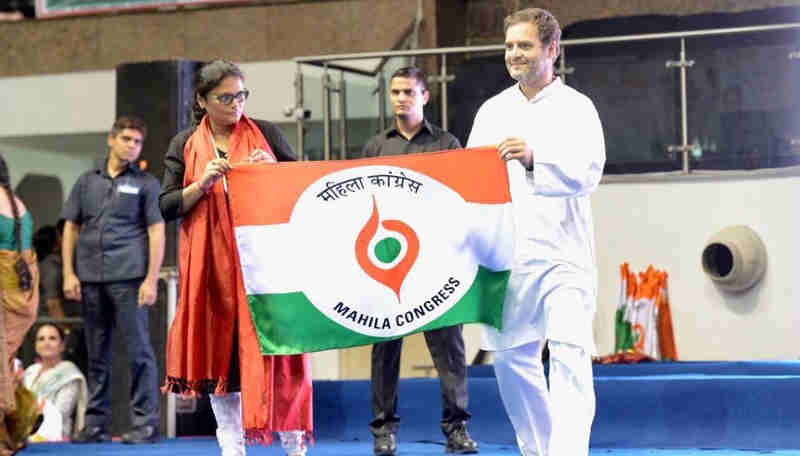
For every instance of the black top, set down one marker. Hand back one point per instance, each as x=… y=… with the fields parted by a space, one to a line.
x=114 y=214
x=429 y=138
x=171 y=199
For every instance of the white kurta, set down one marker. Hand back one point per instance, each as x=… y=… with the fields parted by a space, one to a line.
x=553 y=285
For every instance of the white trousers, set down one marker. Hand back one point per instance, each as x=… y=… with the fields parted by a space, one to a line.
x=555 y=421
x=230 y=433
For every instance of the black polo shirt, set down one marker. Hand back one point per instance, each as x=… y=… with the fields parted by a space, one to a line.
x=114 y=214
x=429 y=138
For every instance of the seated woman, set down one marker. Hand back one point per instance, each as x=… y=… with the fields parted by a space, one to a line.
x=59 y=385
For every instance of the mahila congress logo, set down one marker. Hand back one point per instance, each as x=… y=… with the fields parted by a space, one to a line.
x=394 y=248
x=387 y=259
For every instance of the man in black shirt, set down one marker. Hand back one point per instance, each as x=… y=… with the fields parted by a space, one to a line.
x=411 y=133
x=113 y=245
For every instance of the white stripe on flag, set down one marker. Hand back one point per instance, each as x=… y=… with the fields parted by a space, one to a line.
x=278 y=266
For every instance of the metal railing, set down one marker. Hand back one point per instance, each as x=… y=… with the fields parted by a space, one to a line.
x=328 y=62
x=170 y=276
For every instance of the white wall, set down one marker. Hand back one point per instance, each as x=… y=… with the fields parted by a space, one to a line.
x=86 y=102
x=667 y=224
x=40 y=108
x=26 y=161
x=58 y=103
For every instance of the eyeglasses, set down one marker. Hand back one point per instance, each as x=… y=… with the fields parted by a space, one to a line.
x=227 y=98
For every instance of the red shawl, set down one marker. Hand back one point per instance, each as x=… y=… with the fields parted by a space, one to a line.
x=276 y=390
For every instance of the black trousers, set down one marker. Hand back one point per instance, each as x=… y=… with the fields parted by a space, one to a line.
x=446 y=346
x=106 y=306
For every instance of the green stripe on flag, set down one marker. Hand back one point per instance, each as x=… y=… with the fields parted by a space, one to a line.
x=289 y=324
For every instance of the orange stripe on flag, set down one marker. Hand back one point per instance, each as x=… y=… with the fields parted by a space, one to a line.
x=265 y=194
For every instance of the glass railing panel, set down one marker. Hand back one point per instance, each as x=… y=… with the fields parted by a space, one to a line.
x=476 y=78
x=362 y=105
x=744 y=100
x=360 y=117
x=637 y=98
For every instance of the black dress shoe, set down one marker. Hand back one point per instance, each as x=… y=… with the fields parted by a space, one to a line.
x=385 y=445
x=37 y=424
x=141 y=434
x=459 y=441
x=91 y=434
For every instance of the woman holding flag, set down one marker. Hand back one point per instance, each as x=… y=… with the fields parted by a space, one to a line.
x=213 y=333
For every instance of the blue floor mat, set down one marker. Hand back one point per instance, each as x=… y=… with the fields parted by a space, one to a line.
x=658 y=405
x=208 y=447
x=659 y=409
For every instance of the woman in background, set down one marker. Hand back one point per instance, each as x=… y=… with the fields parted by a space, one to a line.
x=58 y=381
x=19 y=300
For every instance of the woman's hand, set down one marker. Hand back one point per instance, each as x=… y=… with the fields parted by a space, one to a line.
x=260 y=155
x=215 y=169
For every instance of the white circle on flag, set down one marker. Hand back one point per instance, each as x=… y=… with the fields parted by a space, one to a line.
x=332 y=212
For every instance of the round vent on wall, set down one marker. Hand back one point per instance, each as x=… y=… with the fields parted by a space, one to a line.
x=735 y=258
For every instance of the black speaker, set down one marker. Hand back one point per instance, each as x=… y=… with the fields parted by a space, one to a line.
x=43 y=196
x=161 y=94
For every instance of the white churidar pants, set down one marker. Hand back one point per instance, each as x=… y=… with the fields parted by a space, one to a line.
x=554 y=422
x=230 y=434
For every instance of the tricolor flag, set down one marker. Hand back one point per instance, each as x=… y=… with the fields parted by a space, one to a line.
x=345 y=253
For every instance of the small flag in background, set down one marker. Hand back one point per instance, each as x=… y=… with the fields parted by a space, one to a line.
x=345 y=253
x=643 y=318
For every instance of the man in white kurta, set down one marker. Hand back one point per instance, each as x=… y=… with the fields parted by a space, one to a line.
x=551 y=137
